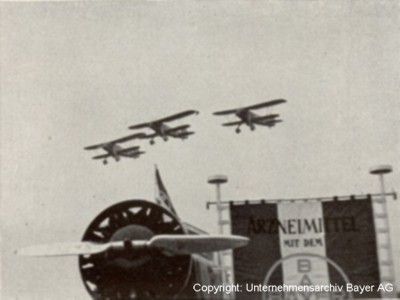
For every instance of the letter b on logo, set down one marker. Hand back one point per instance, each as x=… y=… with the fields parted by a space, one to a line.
x=303 y=265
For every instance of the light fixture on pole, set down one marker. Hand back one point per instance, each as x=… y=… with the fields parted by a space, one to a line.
x=381 y=170
x=217 y=180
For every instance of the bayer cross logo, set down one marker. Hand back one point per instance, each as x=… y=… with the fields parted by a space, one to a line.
x=305 y=280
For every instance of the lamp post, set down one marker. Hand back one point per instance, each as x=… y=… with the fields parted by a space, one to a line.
x=218 y=180
x=381 y=170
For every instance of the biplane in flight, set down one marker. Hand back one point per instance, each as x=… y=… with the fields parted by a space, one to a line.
x=113 y=149
x=164 y=131
x=250 y=118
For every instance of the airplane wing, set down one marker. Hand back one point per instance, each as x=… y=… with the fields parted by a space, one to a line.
x=179 y=128
x=256 y=106
x=120 y=140
x=265 y=104
x=177 y=116
x=232 y=123
x=127 y=150
x=226 y=112
x=94 y=146
x=101 y=156
x=128 y=138
x=269 y=122
x=141 y=125
x=149 y=136
x=133 y=154
x=182 y=135
x=166 y=119
x=270 y=117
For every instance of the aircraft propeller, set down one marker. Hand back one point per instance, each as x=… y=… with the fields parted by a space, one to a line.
x=130 y=246
x=173 y=244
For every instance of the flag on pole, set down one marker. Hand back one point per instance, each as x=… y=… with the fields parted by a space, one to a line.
x=162 y=197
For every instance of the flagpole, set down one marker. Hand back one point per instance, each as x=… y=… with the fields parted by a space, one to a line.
x=155 y=183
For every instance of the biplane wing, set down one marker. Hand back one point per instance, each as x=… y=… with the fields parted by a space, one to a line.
x=256 y=106
x=128 y=152
x=270 y=117
x=269 y=122
x=166 y=119
x=266 y=104
x=183 y=114
x=120 y=140
x=226 y=112
x=150 y=136
x=102 y=156
x=257 y=120
x=141 y=125
x=177 y=129
x=132 y=154
x=181 y=135
x=232 y=123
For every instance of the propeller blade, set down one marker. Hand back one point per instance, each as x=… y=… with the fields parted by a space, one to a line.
x=65 y=249
x=189 y=244
x=175 y=244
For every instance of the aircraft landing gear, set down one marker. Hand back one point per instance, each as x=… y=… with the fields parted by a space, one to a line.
x=105 y=162
x=252 y=127
x=237 y=130
x=165 y=138
x=152 y=142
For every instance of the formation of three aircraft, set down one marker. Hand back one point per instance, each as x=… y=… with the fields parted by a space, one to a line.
x=245 y=115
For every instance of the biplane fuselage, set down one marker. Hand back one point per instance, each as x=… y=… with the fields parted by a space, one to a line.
x=164 y=131
x=250 y=118
x=160 y=129
x=112 y=150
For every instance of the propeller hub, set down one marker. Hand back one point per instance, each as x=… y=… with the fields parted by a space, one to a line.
x=132 y=232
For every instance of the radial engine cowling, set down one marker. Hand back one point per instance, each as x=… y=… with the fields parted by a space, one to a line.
x=126 y=274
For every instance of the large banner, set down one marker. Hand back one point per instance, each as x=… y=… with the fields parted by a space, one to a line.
x=308 y=250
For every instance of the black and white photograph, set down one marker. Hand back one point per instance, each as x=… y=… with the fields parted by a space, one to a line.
x=200 y=149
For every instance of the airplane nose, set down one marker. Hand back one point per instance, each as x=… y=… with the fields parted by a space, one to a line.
x=132 y=232
x=118 y=273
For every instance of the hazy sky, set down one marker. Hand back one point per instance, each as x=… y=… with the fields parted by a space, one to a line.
x=78 y=73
